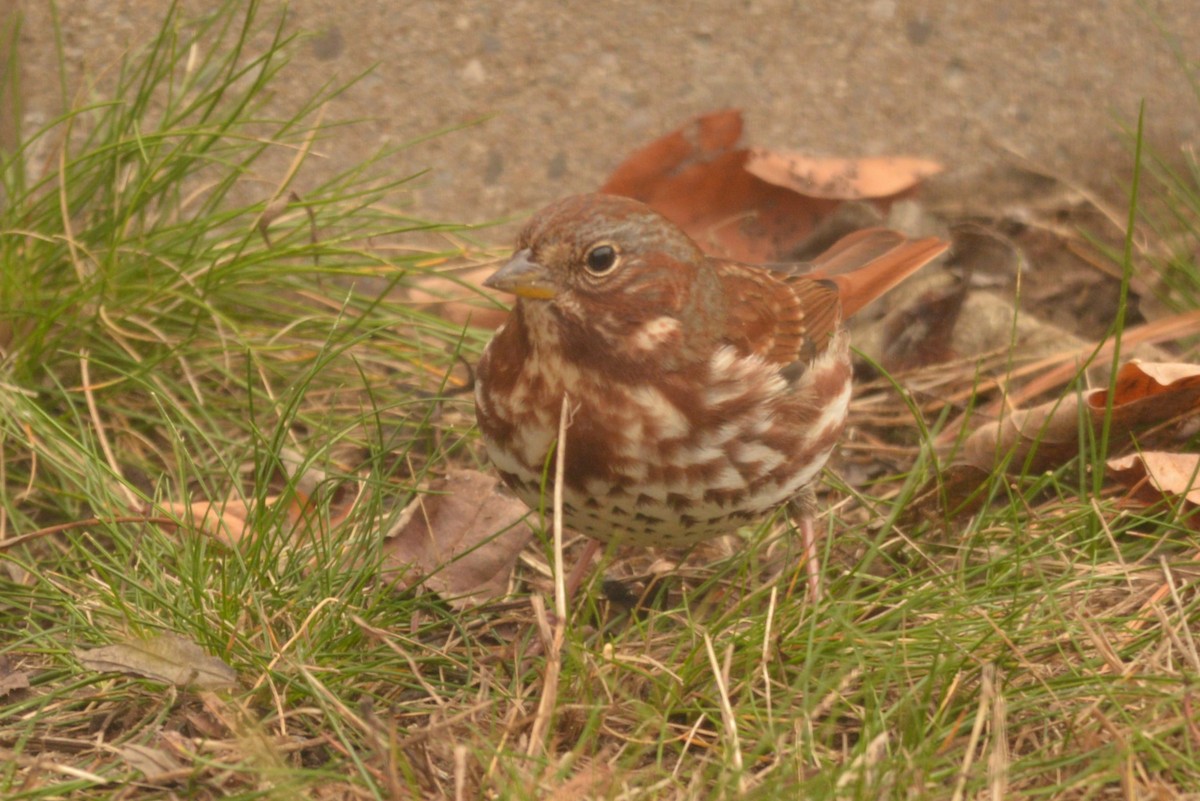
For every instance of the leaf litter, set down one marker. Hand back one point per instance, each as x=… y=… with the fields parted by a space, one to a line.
x=455 y=519
x=167 y=658
x=461 y=539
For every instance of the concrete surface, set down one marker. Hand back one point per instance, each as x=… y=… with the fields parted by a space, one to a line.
x=566 y=89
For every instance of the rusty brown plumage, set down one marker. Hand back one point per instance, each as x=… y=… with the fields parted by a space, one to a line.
x=706 y=393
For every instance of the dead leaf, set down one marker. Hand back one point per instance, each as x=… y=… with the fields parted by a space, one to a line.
x=151 y=762
x=461 y=539
x=227 y=519
x=751 y=205
x=696 y=178
x=11 y=680
x=958 y=490
x=1145 y=395
x=1174 y=387
x=1154 y=475
x=1028 y=439
x=702 y=139
x=457 y=295
x=222 y=520
x=922 y=333
x=170 y=659
x=1062 y=365
x=840 y=178
x=1045 y=436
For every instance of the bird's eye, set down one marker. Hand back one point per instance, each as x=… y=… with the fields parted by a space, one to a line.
x=601 y=259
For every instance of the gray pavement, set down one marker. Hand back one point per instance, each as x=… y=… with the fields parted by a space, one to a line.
x=563 y=90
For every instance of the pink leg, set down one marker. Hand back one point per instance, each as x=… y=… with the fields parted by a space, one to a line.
x=803 y=511
x=808 y=540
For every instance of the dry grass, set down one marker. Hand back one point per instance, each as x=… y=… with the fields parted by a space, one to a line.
x=157 y=347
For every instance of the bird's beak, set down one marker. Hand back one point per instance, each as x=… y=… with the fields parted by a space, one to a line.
x=524 y=277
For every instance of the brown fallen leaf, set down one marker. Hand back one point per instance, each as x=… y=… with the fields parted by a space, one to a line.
x=958 y=490
x=1152 y=476
x=457 y=294
x=747 y=204
x=1045 y=436
x=1145 y=395
x=840 y=178
x=461 y=540
x=922 y=333
x=1173 y=387
x=227 y=519
x=224 y=521
x=151 y=762
x=11 y=680
x=696 y=178
x=704 y=138
x=1061 y=366
x=169 y=658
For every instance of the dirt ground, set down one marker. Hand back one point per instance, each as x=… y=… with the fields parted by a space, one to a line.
x=552 y=95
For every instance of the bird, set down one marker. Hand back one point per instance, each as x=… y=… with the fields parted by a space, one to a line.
x=704 y=393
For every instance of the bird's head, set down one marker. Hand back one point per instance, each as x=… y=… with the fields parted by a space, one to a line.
x=593 y=254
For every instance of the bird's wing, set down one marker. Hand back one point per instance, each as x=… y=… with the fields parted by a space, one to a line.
x=868 y=263
x=788 y=312
x=782 y=317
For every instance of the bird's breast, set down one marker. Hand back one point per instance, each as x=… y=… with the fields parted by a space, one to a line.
x=680 y=455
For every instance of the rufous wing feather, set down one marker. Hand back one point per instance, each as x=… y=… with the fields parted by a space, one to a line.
x=868 y=263
x=781 y=317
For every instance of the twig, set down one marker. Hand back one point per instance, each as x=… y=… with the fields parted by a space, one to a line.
x=687 y=744
x=460 y=772
x=1190 y=652
x=1000 y=758
x=91 y=521
x=985 y=698
x=560 y=589
x=766 y=655
x=554 y=642
x=727 y=716
x=101 y=436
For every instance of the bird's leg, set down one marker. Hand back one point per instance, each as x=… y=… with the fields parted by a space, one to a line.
x=802 y=509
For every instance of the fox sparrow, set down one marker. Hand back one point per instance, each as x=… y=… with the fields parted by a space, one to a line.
x=705 y=393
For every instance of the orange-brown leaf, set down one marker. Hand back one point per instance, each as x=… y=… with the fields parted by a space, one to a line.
x=222 y=520
x=1154 y=475
x=752 y=205
x=840 y=178
x=696 y=178
x=1164 y=389
x=1043 y=437
x=703 y=139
